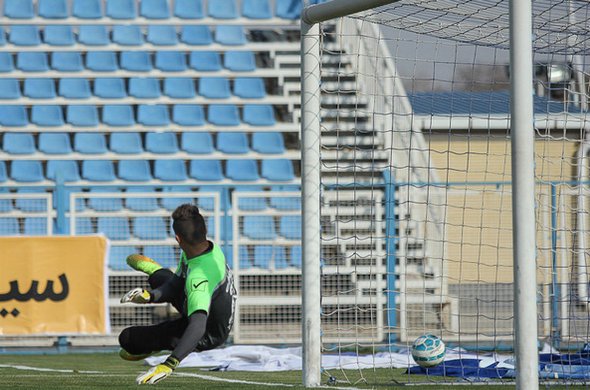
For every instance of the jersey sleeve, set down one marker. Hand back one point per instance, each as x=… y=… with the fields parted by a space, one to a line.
x=198 y=291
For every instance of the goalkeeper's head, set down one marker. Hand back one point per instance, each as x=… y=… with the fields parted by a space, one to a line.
x=189 y=225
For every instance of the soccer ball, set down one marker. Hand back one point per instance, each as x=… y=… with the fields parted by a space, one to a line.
x=428 y=351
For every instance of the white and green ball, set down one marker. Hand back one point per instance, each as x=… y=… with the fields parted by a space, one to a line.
x=428 y=351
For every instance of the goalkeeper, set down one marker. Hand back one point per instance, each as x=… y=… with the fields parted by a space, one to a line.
x=201 y=290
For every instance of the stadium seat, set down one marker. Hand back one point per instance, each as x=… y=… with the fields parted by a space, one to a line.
x=249 y=87
x=32 y=61
x=161 y=143
x=288 y=9
x=214 y=87
x=24 y=171
x=244 y=258
x=225 y=229
x=283 y=202
x=162 y=35
x=205 y=61
x=53 y=9
x=206 y=202
x=39 y=88
x=296 y=256
x=154 y=9
x=268 y=143
x=54 y=143
x=24 y=35
x=280 y=257
x=136 y=61
x=259 y=227
x=256 y=9
x=121 y=9
x=144 y=87
x=67 y=192
x=223 y=9
x=7 y=62
x=134 y=170
x=68 y=169
x=82 y=115
x=74 y=88
x=263 y=256
x=253 y=203
x=259 y=115
x=232 y=142
x=188 y=115
x=153 y=115
x=13 y=116
x=92 y=35
x=242 y=170
x=127 y=35
x=118 y=256
x=144 y=203
x=290 y=227
x=277 y=170
x=118 y=115
x=9 y=89
x=170 y=170
x=170 y=61
x=230 y=35
x=5 y=204
x=206 y=170
x=98 y=170
x=83 y=225
x=223 y=115
x=58 y=35
x=3 y=172
x=19 y=9
x=28 y=204
x=150 y=228
x=9 y=226
x=196 y=35
x=188 y=9
x=101 y=61
x=179 y=87
x=165 y=255
x=87 y=9
x=172 y=203
x=67 y=61
x=112 y=203
x=126 y=143
x=115 y=228
x=110 y=88
x=18 y=143
x=2 y=37
x=90 y=143
x=197 y=143
x=49 y=115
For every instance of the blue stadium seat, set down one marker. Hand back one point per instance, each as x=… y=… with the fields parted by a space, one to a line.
x=121 y=9
x=280 y=257
x=197 y=143
x=32 y=61
x=256 y=9
x=87 y=9
x=290 y=227
x=249 y=87
x=232 y=142
x=126 y=143
x=179 y=87
x=239 y=61
x=170 y=170
x=259 y=115
x=9 y=226
x=118 y=115
x=135 y=170
x=144 y=87
x=59 y=35
x=112 y=203
x=154 y=9
x=136 y=61
x=153 y=115
x=288 y=9
x=83 y=225
x=110 y=88
x=93 y=35
x=165 y=255
x=207 y=202
x=283 y=202
x=162 y=35
x=13 y=116
x=242 y=170
x=54 y=143
x=29 y=204
x=115 y=228
x=223 y=115
x=7 y=62
x=268 y=143
x=230 y=35
x=259 y=227
x=214 y=87
x=278 y=170
x=24 y=35
x=18 y=143
x=90 y=143
x=150 y=228
x=188 y=115
x=170 y=61
x=67 y=61
x=196 y=35
x=127 y=35
x=84 y=116
x=5 y=204
x=265 y=255
x=24 y=171
x=161 y=143
x=244 y=258
x=251 y=203
x=9 y=89
x=172 y=203
x=188 y=9
x=206 y=170
x=39 y=88
x=2 y=37
x=3 y=172
x=296 y=256
x=53 y=9
x=19 y=9
x=98 y=170
x=223 y=9
x=118 y=256
x=74 y=88
x=68 y=169
x=80 y=204
x=205 y=61
x=49 y=115
x=225 y=229
x=101 y=61
x=143 y=203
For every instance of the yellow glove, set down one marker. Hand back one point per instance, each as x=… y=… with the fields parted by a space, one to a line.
x=159 y=372
x=137 y=295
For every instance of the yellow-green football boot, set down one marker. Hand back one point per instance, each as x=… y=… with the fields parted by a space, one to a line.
x=143 y=263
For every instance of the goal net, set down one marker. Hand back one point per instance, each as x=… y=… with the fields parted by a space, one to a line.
x=416 y=205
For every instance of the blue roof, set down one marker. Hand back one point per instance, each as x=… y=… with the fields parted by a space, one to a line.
x=472 y=103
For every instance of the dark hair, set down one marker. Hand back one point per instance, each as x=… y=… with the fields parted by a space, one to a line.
x=189 y=224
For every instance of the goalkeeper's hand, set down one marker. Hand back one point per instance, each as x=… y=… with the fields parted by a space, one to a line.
x=137 y=295
x=159 y=372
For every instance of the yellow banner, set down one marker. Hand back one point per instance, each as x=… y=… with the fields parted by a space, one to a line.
x=53 y=285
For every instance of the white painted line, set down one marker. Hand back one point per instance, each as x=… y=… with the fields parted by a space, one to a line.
x=19 y=367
